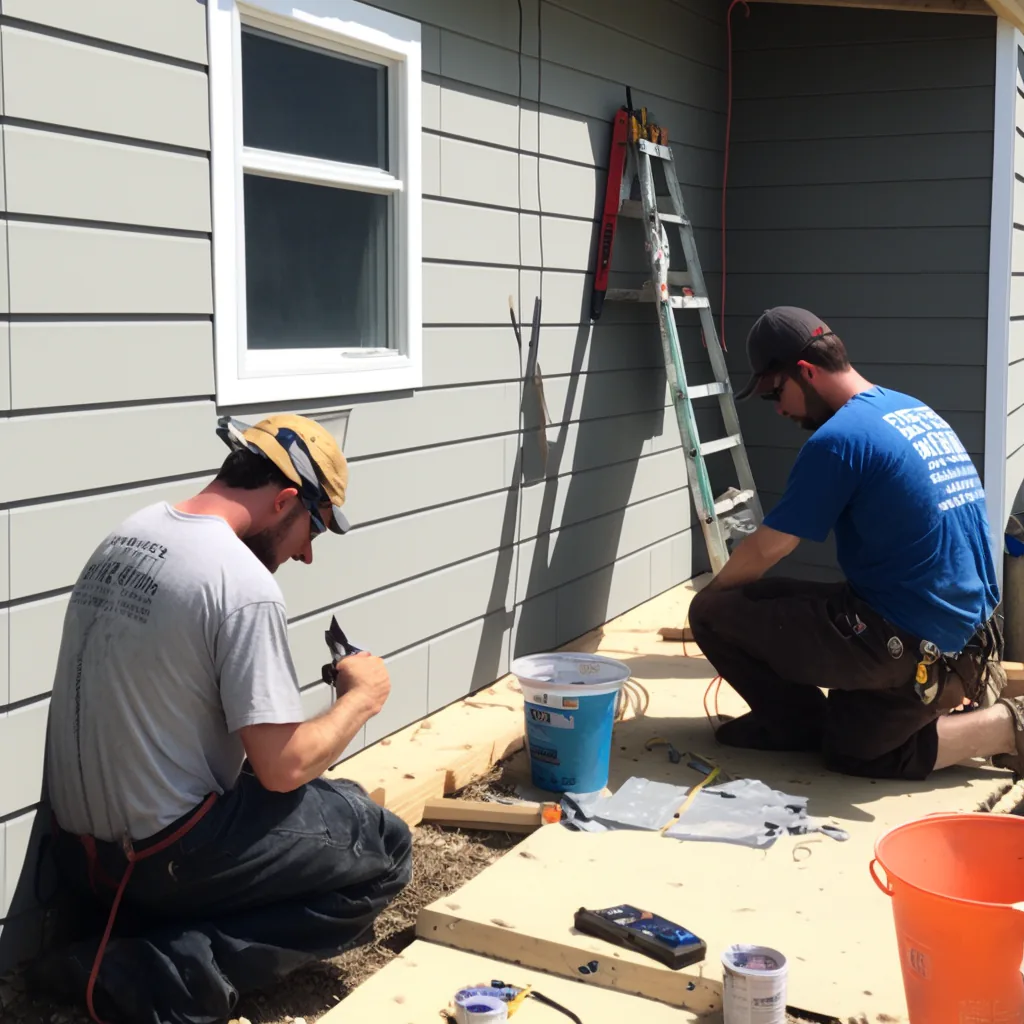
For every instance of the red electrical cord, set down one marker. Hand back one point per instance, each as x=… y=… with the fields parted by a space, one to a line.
x=728 y=131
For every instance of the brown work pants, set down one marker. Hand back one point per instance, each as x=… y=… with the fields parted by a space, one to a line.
x=777 y=641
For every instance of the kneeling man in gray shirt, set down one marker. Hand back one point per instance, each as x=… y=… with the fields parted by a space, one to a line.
x=184 y=779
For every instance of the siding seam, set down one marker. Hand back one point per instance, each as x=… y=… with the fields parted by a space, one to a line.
x=99 y=318
x=104 y=225
x=569 y=67
x=54 y=410
x=4 y=818
x=100 y=44
x=833 y=182
x=100 y=492
x=908 y=40
x=852 y=95
x=650 y=41
x=774 y=140
x=52 y=128
x=555 y=158
x=18 y=705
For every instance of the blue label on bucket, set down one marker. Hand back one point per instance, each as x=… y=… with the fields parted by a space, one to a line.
x=569 y=751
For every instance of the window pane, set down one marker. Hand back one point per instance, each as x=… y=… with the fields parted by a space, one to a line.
x=312 y=102
x=315 y=265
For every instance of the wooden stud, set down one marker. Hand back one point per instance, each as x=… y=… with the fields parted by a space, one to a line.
x=485 y=814
x=673 y=633
x=1014 y=671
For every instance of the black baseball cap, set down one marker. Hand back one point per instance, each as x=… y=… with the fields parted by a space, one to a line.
x=777 y=339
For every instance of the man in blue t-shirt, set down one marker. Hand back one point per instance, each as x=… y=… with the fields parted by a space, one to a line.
x=913 y=633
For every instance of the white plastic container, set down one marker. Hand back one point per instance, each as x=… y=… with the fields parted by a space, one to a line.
x=480 y=1010
x=755 y=985
x=569 y=702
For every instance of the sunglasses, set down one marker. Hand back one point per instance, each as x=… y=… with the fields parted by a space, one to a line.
x=776 y=392
x=311 y=494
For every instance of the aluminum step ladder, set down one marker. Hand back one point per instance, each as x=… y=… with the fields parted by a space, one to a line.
x=672 y=290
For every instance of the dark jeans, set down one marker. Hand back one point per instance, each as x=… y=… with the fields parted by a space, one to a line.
x=776 y=641
x=264 y=883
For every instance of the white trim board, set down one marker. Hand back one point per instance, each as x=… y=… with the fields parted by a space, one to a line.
x=1008 y=38
x=246 y=377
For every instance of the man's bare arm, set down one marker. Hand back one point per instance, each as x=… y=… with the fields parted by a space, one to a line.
x=288 y=755
x=754 y=556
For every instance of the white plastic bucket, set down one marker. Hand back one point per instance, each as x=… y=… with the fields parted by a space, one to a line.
x=755 y=985
x=569 y=704
x=480 y=1010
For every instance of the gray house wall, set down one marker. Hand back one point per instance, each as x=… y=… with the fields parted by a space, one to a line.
x=107 y=389
x=859 y=187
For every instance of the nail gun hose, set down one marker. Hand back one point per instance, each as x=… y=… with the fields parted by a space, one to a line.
x=555 y=1006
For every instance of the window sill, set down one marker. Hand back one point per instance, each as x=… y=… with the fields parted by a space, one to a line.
x=394 y=374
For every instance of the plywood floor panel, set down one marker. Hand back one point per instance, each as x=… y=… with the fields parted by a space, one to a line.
x=415 y=986
x=811 y=897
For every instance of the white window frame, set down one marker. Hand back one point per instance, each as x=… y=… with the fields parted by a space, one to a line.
x=352 y=29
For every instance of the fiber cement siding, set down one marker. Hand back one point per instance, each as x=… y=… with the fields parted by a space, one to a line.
x=106 y=343
x=860 y=187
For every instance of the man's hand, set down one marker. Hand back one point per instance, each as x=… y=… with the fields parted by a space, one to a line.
x=363 y=678
x=286 y=756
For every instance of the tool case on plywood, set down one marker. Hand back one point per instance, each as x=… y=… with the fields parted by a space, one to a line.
x=638 y=149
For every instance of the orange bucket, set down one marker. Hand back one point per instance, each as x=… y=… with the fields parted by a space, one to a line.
x=954 y=880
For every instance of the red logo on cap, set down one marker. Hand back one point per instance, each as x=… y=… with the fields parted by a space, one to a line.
x=819 y=332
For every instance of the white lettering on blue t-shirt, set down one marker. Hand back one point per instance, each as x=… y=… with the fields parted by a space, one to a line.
x=939 y=446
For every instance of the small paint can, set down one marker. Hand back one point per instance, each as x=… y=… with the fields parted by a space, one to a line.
x=479 y=1009
x=755 y=985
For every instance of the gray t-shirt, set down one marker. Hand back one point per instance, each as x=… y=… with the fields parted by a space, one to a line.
x=175 y=638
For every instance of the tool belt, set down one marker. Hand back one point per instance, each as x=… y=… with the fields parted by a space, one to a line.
x=974 y=673
x=98 y=877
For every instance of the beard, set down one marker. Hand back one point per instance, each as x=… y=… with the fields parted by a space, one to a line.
x=819 y=412
x=264 y=544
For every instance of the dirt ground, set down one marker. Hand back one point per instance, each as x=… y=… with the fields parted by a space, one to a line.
x=443 y=860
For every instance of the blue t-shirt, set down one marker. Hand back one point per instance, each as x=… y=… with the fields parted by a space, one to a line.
x=894 y=482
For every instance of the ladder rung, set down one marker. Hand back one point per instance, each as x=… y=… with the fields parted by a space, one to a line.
x=654 y=149
x=634 y=209
x=646 y=294
x=721 y=444
x=706 y=390
x=728 y=504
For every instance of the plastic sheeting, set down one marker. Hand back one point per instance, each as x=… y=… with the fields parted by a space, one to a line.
x=745 y=812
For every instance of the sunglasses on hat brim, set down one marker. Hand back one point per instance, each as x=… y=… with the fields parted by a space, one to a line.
x=311 y=492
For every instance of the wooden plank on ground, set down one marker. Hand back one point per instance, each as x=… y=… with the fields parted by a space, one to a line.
x=486 y=814
x=418 y=984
